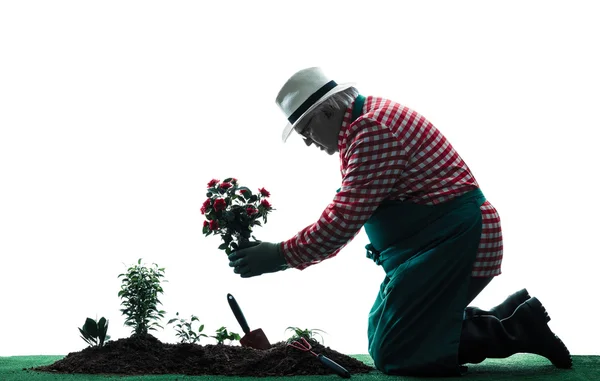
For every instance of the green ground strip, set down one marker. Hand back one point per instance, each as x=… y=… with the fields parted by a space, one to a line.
x=517 y=367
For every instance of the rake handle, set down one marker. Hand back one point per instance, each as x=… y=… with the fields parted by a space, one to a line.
x=337 y=368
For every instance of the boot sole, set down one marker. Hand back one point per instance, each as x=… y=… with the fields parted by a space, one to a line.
x=557 y=352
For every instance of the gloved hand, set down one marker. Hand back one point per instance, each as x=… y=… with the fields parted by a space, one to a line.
x=256 y=258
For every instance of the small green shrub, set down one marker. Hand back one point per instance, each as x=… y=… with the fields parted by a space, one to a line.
x=308 y=334
x=94 y=333
x=139 y=293
x=223 y=335
x=185 y=331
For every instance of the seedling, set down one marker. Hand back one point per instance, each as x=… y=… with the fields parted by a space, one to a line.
x=308 y=334
x=184 y=329
x=94 y=333
x=223 y=335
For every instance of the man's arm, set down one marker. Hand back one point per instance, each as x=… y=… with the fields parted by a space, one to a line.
x=374 y=163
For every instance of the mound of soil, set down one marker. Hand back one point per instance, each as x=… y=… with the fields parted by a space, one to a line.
x=147 y=355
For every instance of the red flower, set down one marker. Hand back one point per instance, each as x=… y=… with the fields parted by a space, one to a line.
x=266 y=204
x=206 y=223
x=251 y=210
x=214 y=225
x=212 y=183
x=220 y=204
x=264 y=192
x=226 y=185
x=205 y=206
x=233 y=180
x=243 y=191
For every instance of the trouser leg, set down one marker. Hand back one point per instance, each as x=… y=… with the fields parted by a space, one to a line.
x=476 y=286
x=411 y=331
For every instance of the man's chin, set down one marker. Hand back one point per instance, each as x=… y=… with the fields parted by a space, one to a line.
x=328 y=151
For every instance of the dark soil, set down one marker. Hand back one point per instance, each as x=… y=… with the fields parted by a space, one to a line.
x=147 y=355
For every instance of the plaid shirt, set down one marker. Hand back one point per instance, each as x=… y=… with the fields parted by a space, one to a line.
x=391 y=153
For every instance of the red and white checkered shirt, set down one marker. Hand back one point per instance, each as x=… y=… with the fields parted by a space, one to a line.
x=391 y=153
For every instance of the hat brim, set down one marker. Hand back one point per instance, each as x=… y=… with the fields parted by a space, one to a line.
x=289 y=128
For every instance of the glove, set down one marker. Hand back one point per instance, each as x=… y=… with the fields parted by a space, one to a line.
x=256 y=258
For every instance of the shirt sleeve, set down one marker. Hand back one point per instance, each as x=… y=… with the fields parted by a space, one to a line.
x=373 y=163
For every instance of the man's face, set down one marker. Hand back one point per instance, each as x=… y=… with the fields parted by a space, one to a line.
x=322 y=129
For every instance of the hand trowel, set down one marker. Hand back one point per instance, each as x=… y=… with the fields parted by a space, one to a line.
x=254 y=339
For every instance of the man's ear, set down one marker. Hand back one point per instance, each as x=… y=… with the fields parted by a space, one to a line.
x=329 y=111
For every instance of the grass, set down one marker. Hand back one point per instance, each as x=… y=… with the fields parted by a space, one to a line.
x=517 y=367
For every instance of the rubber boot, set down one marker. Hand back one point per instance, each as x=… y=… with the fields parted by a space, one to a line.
x=504 y=309
x=525 y=331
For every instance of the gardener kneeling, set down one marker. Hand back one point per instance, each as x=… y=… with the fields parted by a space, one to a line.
x=431 y=229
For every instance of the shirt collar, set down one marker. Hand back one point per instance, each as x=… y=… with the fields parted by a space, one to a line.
x=343 y=135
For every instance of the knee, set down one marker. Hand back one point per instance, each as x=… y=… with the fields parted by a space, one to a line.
x=382 y=358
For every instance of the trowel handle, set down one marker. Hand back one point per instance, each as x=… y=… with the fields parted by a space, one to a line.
x=237 y=311
x=337 y=368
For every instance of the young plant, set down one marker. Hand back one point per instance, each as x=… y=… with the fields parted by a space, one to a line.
x=308 y=334
x=139 y=293
x=223 y=335
x=94 y=333
x=184 y=329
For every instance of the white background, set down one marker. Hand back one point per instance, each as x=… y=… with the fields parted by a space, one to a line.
x=114 y=115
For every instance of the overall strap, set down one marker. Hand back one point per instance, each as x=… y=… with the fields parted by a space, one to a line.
x=358 y=106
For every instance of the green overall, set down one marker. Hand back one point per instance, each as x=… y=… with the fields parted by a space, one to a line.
x=427 y=253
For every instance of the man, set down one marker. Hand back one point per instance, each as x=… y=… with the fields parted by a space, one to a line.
x=431 y=229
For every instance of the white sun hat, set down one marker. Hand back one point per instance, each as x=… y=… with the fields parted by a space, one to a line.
x=304 y=91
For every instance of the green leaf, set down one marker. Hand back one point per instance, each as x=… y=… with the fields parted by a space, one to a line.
x=84 y=335
x=91 y=327
x=223 y=246
x=102 y=329
x=89 y=341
